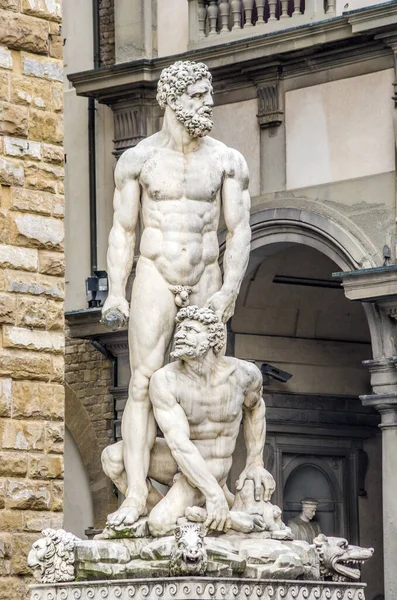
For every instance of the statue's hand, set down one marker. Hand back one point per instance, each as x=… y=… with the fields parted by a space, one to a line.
x=218 y=513
x=115 y=312
x=260 y=477
x=222 y=304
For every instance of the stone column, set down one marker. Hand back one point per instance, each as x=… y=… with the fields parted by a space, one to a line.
x=386 y=404
x=377 y=288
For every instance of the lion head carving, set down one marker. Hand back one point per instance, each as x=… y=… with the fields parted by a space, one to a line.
x=52 y=556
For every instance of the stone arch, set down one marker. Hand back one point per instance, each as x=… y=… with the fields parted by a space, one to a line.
x=349 y=249
x=79 y=424
x=297 y=225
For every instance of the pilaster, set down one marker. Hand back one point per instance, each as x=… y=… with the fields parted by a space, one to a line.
x=377 y=289
x=386 y=404
x=270 y=94
x=390 y=40
x=135 y=29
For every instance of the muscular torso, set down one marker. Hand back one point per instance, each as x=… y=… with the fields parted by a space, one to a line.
x=214 y=414
x=180 y=197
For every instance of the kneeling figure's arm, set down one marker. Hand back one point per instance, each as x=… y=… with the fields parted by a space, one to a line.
x=173 y=423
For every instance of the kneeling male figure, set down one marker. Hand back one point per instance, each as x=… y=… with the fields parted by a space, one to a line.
x=199 y=401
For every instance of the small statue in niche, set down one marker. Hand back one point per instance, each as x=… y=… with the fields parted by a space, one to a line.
x=304 y=527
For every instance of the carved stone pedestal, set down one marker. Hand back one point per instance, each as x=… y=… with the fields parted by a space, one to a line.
x=199 y=588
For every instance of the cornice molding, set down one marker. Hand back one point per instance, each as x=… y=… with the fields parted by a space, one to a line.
x=352 y=37
x=372 y=18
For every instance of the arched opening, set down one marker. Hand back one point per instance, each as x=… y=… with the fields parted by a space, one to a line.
x=293 y=315
x=311 y=480
x=81 y=446
x=78 y=505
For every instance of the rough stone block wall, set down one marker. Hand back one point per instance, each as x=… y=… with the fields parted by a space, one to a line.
x=89 y=375
x=31 y=282
x=106 y=32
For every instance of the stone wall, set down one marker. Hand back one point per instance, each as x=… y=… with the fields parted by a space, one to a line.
x=106 y=32
x=31 y=282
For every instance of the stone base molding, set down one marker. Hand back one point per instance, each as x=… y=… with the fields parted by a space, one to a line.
x=199 y=588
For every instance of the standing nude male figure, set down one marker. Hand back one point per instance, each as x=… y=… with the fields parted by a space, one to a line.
x=179 y=178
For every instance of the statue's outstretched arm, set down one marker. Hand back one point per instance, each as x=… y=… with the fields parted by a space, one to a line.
x=122 y=236
x=236 y=208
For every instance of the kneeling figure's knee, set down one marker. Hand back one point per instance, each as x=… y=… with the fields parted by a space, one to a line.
x=112 y=461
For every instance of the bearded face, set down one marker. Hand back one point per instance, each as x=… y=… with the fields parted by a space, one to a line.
x=193 y=108
x=197 y=123
x=190 y=340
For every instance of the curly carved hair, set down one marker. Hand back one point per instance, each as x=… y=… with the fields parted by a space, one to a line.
x=206 y=316
x=175 y=79
x=57 y=563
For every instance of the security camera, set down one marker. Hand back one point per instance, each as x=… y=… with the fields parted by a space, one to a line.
x=269 y=372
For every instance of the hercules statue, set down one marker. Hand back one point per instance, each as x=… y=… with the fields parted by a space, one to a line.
x=179 y=178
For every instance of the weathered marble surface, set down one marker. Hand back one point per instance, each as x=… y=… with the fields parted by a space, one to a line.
x=60 y=557
x=179 y=180
x=225 y=556
x=203 y=588
x=199 y=402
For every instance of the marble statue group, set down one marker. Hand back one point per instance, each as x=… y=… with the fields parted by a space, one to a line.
x=183 y=415
x=181 y=178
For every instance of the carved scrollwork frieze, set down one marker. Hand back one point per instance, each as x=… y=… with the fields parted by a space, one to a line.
x=203 y=589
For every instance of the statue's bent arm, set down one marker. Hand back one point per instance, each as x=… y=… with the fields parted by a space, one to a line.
x=254 y=423
x=236 y=209
x=254 y=428
x=122 y=235
x=175 y=427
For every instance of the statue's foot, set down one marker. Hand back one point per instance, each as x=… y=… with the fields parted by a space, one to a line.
x=196 y=514
x=128 y=513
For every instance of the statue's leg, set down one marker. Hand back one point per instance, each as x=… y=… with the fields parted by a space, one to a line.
x=164 y=516
x=113 y=465
x=151 y=326
x=210 y=282
x=162 y=468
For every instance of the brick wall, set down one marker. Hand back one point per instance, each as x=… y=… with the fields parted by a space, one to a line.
x=31 y=282
x=89 y=375
x=106 y=32
x=89 y=418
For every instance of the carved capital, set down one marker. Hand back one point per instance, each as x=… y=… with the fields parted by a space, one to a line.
x=134 y=120
x=383 y=378
x=270 y=111
x=386 y=405
x=384 y=383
